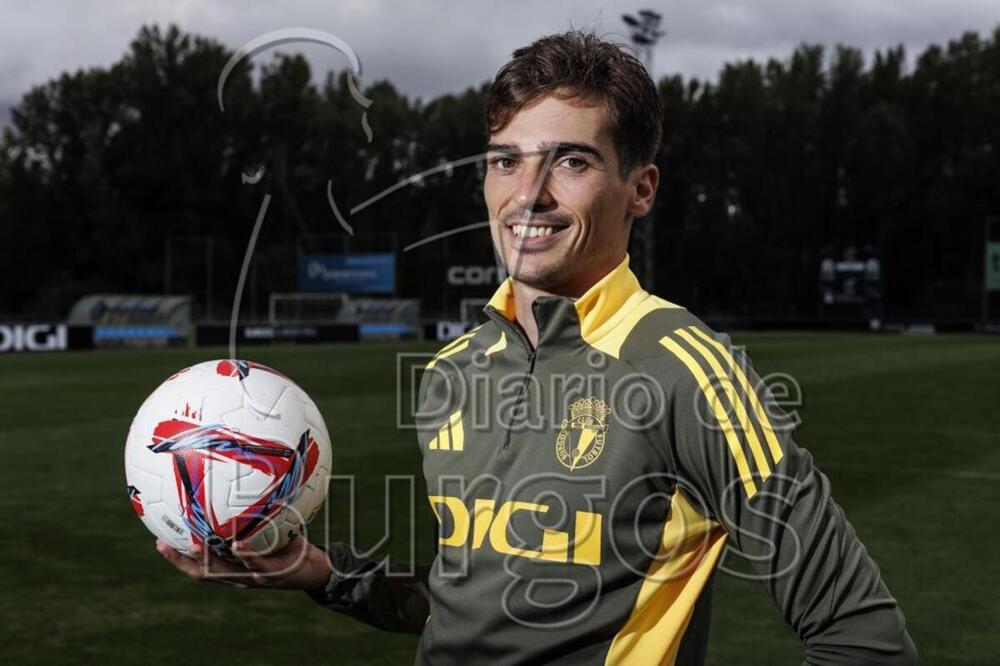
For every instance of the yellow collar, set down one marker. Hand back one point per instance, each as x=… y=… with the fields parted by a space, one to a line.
x=599 y=309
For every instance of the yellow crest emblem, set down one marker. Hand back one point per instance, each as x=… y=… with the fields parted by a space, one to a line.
x=581 y=438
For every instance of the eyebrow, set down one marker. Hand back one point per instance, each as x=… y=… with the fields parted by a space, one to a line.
x=556 y=147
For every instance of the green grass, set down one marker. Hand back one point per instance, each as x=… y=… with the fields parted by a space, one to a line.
x=905 y=427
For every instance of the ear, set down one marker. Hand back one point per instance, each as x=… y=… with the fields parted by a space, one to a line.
x=642 y=190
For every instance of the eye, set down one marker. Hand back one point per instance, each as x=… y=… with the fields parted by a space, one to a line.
x=574 y=163
x=503 y=162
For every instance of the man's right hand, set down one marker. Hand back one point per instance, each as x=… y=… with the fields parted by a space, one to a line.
x=300 y=565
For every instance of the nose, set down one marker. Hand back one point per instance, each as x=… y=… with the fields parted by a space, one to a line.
x=533 y=191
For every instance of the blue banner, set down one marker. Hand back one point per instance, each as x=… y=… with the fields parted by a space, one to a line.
x=353 y=273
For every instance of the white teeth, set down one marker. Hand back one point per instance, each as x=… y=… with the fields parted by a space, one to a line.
x=524 y=231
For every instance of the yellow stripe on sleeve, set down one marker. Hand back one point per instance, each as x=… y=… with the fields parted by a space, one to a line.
x=735 y=399
x=497 y=346
x=453 y=347
x=445 y=354
x=758 y=408
x=727 y=427
x=457 y=432
x=457 y=341
x=443 y=438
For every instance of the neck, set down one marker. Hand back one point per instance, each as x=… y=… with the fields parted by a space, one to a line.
x=524 y=296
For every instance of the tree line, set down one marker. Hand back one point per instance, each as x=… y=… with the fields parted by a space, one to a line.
x=112 y=178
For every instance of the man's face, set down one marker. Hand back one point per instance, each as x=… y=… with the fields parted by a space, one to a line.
x=560 y=213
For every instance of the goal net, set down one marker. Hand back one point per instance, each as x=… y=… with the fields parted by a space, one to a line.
x=300 y=308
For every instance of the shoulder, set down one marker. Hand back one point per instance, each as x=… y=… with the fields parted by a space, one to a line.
x=442 y=380
x=661 y=327
x=462 y=349
x=682 y=353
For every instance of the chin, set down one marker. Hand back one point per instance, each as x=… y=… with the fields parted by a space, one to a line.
x=538 y=274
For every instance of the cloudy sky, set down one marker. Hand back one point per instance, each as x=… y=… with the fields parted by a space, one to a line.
x=434 y=46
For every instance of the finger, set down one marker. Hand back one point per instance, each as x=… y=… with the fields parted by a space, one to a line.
x=197 y=570
x=296 y=544
x=249 y=558
x=213 y=566
x=293 y=553
x=185 y=564
x=215 y=569
x=262 y=568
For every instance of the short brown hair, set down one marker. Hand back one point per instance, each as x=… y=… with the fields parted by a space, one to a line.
x=583 y=65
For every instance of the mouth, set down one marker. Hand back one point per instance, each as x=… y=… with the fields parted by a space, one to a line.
x=535 y=237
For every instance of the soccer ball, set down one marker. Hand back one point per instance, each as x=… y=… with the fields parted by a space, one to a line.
x=224 y=451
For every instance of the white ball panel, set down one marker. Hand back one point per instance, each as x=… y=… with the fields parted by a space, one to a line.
x=263 y=406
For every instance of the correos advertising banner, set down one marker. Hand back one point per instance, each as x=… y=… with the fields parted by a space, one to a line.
x=350 y=273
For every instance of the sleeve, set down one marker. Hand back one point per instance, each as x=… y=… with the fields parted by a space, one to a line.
x=735 y=454
x=362 y=588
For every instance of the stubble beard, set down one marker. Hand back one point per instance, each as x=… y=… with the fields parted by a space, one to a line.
x=521 y=267
x=544 y=277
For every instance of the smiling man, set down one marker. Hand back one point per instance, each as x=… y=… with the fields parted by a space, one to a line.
x=592 y=450
x=568 y=171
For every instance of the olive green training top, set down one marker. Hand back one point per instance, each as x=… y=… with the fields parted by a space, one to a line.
x=587 y=489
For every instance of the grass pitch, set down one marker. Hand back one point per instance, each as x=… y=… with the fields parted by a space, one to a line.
x=905 y=427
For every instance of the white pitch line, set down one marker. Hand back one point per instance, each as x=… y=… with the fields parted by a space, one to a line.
x=883 y=469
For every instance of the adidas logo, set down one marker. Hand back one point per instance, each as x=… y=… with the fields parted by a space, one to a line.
x=451 y=436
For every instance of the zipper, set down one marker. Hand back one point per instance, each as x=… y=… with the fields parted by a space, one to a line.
x=503 y=322
x=520 y=396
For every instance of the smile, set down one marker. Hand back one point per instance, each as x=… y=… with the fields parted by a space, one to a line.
x=533 y=236
x=525 y=231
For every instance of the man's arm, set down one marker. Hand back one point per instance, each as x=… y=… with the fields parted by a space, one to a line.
x=362 y=588
x=735 y=452
x=385 y=597
x=336 y=578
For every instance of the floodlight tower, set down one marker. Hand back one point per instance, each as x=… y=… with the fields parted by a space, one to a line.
x=645 y=31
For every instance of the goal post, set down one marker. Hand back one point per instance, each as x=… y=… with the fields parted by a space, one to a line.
x=301 y=307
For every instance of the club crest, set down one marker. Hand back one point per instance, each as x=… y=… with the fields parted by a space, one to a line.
x=581 y=438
